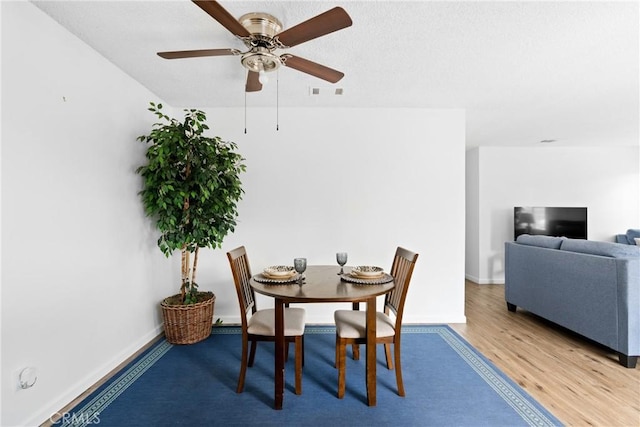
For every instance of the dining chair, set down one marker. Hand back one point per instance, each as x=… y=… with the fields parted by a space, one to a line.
x=351 y=324
x=259 y=325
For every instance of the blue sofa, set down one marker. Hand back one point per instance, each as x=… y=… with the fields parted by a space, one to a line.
x=629 y=237
x=589 y=287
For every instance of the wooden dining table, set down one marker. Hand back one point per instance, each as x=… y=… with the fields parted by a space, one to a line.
x=323 y=284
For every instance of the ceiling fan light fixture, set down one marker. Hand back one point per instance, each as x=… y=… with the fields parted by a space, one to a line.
x=261 y=59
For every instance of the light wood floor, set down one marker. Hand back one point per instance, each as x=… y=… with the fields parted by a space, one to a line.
x=580 y=382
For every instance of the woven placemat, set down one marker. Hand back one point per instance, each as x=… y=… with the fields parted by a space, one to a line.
x=267 y=280
x=385 y=278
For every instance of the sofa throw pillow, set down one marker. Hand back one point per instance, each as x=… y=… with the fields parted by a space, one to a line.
x=609 y=249
x=549 y=242
x=632 y=235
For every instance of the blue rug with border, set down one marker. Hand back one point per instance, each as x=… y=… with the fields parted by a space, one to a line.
x=447 y=383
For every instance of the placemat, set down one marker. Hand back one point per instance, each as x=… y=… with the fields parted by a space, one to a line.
x=386 y=278
x=263 y=279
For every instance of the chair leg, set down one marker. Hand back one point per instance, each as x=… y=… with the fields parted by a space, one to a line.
x=387 y=354
x=252 y=355
x=299 y=357
x=355 y=349
x=286 y=351
x=243 y=366
x=396 y=351
x=336 y=364
x=302 y=350
x=341 y=362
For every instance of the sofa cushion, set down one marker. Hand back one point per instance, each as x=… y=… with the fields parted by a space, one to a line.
x=622 y=238
x=608 y=249
x=632 y=235
x=541 y=241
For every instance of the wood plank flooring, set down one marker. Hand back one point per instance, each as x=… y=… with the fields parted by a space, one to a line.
x=579 y=381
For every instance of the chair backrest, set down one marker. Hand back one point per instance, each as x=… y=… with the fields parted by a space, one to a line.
x=401 y=270
x=239 y=263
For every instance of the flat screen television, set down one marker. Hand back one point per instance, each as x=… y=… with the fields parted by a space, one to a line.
x=550 y=221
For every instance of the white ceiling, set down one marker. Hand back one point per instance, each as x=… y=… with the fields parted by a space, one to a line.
x=524 y=71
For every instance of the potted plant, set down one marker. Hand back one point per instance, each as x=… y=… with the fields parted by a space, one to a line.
x=191 y=189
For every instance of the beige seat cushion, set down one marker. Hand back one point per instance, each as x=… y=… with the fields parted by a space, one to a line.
x=352 y=324
x=263 y=322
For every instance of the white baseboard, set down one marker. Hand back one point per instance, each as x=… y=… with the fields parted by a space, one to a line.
x=90 y=380
x=480 y=281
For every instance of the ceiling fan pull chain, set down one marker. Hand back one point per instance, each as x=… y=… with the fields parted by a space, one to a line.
x=277 y=100
x=245 y=112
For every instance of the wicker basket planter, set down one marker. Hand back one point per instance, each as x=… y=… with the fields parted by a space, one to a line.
x=188 y=324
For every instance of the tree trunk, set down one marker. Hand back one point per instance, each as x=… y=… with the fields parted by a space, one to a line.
x=185 y=272
x=195 y=264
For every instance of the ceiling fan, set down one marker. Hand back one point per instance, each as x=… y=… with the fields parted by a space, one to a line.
x=262 y=34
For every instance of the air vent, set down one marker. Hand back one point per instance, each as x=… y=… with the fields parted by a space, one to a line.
x=325 y=91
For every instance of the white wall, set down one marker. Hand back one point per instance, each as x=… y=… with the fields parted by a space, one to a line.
x=357 y=180
x=81 y=275
x=472 y=218
x=605 y=180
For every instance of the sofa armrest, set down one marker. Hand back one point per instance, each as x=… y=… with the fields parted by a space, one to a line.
x=628 y=308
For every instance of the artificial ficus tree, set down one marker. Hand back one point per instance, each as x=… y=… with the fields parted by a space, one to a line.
x=191 y=189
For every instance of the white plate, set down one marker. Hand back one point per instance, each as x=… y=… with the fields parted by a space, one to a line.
x=367 y=271
x=283 y=271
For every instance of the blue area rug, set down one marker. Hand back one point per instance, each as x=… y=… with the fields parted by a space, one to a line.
x=447 y=383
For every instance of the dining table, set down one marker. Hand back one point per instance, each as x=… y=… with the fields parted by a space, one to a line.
x=323 y=284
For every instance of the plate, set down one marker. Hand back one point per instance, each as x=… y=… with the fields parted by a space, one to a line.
x=280 y=276
x=367 y=271
x=279 y=271
x=366 y=276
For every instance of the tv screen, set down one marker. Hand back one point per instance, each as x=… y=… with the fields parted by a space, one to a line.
x=551 y=221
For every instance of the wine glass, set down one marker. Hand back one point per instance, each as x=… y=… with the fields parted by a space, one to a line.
x=341 y=257
x=300 y=264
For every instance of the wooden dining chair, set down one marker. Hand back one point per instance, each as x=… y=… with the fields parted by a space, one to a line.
x=351 y=324
x=259 y=325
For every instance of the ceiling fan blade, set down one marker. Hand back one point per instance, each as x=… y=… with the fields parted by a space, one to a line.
x=320 y=25
x=253 y=84
x=220 y=14
x=312 y=68
x=197 y=53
